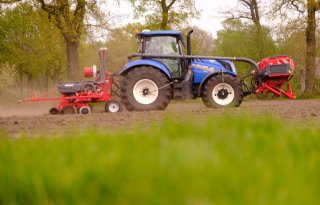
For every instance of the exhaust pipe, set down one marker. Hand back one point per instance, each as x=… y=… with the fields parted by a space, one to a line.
x=189 y=42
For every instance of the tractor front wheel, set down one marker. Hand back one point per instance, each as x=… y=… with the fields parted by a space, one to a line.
x=145 y=88
x=222 y=91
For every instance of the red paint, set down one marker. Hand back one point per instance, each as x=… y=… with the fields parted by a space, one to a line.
x=102 y=93
x=275 y=71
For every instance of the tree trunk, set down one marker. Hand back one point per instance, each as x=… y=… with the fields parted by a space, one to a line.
x=251 y=11
x=311 y=48
x=164 y=15
x=255 y=14
x=68 y=17
x=260 y=42
x=72 y=59
x=164 y=21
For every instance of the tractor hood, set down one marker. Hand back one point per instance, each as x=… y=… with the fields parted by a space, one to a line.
x=203 y=67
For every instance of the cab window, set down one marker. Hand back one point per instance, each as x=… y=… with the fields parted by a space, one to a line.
x=162 y=45
x=165 y=45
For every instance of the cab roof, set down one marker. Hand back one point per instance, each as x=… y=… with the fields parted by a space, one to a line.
x=176 y=34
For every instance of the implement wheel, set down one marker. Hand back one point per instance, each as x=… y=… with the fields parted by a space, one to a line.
x=222 y=91
x=85 y=110
x=145 y=88
x=53 y=111
x=113 y=106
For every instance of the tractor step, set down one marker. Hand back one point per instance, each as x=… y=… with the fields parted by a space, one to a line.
x=246 y=93
x=182 y=90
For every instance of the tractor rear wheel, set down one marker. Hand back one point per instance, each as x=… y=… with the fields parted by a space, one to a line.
x=145 y=88
x=222 y=91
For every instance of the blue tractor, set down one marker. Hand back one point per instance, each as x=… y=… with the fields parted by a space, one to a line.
x=161 y=72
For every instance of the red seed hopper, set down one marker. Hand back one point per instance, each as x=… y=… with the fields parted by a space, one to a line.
x=274 y=72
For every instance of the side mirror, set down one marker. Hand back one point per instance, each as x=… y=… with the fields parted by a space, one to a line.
x=174 y=46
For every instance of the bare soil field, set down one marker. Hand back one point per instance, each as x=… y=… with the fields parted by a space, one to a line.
x=32 y=119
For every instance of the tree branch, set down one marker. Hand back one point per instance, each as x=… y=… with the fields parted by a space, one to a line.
x=79 y=15
x=171 y=3
x=293 y=3
x=8 y=1
x=48 y=8
x=245 y=2
x=318 y=5
x=240 y=17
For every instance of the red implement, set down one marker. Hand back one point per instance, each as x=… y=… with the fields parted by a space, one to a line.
x=76 y=97
x=274 y=72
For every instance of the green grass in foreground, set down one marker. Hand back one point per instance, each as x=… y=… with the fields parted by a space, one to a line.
x=216 y=161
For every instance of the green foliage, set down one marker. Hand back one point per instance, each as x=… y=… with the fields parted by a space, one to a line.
x=239 y=39
x=7 y=75
x=303 y=15
x=67 y=15
x=242 y=40
x=225 y=160
x=293 y=45
x=122 y=43
x=201 y=41
x=32 y=44
x=164 y=14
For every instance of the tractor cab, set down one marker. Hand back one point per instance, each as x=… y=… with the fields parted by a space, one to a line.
x=164 y=43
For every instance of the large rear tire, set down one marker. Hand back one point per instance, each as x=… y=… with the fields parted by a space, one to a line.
x=222 y=91
x=145 y=88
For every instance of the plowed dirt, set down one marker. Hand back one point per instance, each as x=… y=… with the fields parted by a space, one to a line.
x=33 y=120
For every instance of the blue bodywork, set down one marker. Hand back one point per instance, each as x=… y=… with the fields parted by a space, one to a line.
x=146 y=62
x=201 y=68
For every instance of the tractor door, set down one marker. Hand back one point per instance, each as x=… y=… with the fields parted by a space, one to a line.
x=165 y=45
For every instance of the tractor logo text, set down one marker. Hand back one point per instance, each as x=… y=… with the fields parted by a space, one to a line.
x=203 y=67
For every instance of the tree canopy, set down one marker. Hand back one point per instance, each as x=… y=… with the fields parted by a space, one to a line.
x=304 y=9
x=239 y=39
x=165 y=14
x=25 y=34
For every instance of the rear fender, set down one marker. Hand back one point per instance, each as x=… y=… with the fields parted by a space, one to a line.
x=144 y=62
x=203 y=82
